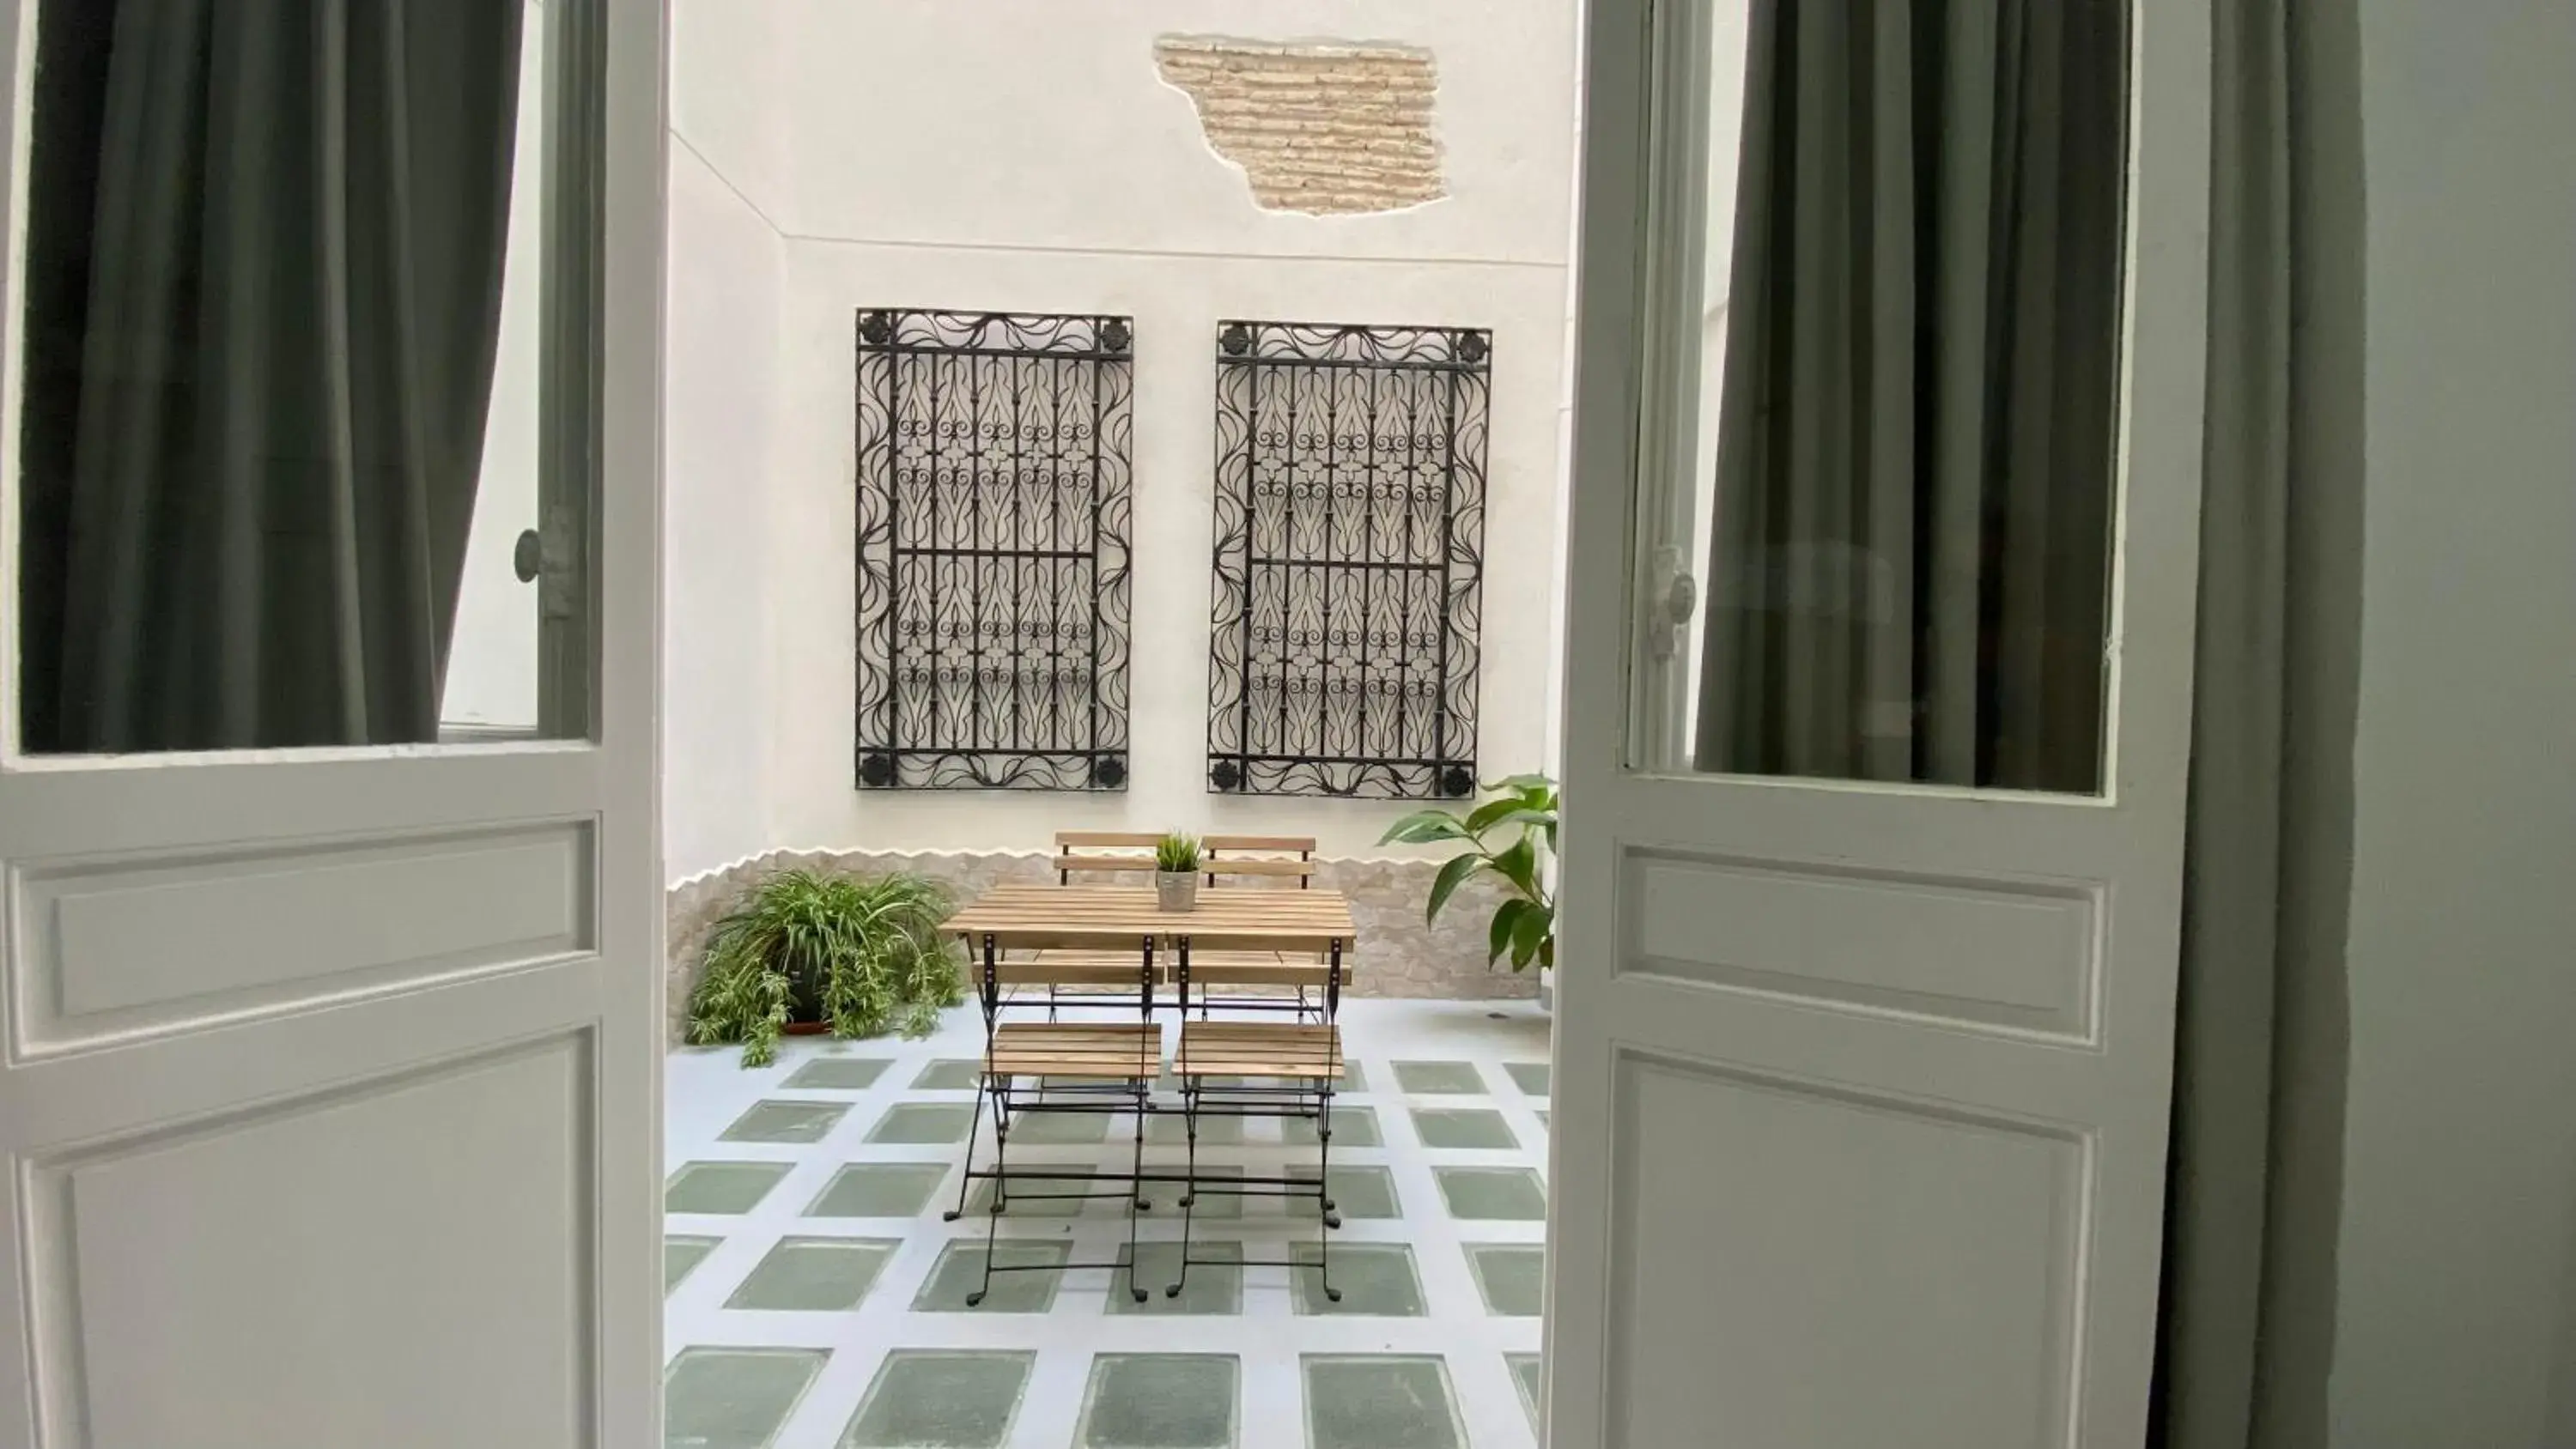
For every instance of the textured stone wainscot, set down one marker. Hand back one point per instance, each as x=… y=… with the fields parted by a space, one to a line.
x=1397 y=956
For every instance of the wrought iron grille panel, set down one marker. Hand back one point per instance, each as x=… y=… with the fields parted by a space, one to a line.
x=993 y=550
x=1350 y=520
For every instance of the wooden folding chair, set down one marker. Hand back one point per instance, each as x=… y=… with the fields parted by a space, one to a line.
x=1119 y=855
x=1236 y=1068
x=1074 y=1067
x=1278 y=857
x=1254 y=861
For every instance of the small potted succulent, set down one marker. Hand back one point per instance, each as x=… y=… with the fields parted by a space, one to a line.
x=1176 y=872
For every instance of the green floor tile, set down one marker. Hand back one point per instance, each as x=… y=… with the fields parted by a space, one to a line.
x=682 y=1254
x=814 y=1275
x=922 y=1123
x=1159 y=1401
x=939 y=1399
x=786 y=1122
x=1059 y=1129
x=1512 y=1276
x=733 y=1398
x=1224 y=1205
x=1357 y=1192
x=1380 y=1401
x=951 y=1074
x=1439 y=1078
x=1171 y=1129
x=1530 y=1077
x=879 y=1190
x=1503 y=1194
x=960 y=1271
x=1024 y=1200
x=1211 y=1288
x=1352 y=1127
x=838 y=1074
x=1377 y=1280
x=1463 y=1127
x=721 y=1187
x=1527 y=1371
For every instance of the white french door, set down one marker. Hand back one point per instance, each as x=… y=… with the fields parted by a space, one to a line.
x=1862 y=1086
x=329 y=1085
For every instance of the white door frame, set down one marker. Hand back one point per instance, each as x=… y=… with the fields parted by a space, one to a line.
x=156 y=1039
x=2104 y=1071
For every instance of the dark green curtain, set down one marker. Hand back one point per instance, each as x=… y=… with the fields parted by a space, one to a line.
x=262 y=462
x=2261 y=1042
x=1914 y=476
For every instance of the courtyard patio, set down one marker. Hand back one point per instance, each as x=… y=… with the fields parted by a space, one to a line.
x=816 y=1297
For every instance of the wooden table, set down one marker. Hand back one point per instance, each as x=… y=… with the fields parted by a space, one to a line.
x=1126 y=920
x=1053 y=917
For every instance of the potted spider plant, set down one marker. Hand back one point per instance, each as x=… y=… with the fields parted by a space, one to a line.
x=1176 y=872
x=813 y=951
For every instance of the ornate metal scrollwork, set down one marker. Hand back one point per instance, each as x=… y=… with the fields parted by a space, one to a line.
x=993 y=545
x=1350 y=509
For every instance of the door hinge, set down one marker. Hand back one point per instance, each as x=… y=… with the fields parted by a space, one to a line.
x=550 y=554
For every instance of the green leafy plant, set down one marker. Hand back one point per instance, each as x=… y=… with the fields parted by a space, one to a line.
x=1512 y=835
x=1177 y=855
x=850 y=951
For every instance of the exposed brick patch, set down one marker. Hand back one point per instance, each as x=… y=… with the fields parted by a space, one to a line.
x=1323 y=127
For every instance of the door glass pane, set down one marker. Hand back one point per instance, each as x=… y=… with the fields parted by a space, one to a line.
x=290 y=376
x=1877 y=491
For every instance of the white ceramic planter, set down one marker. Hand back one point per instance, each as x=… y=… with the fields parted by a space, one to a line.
x=1176 y=890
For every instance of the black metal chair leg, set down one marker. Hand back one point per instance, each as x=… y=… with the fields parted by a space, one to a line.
x=1144 y=1116
x=992 y=1241
x=974 y=1127
x=993 y=1217
x=1323 y=1176
x=1190 y=1187
x=1324 y=1159
x=1139 y=1170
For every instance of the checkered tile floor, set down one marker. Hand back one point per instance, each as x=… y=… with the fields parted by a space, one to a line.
x=815 y=1298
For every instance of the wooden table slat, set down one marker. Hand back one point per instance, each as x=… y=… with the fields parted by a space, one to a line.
x=1051 y=916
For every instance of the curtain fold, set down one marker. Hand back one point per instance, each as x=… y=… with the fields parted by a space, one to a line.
x=2246 y=1335
x=1912 y=504
x=292 y=315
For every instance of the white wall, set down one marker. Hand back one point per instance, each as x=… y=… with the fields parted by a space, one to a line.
x=720 y=466
x=1041 y=124
x=2456 y=1320
x=1024 y=155
x=492 y=663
